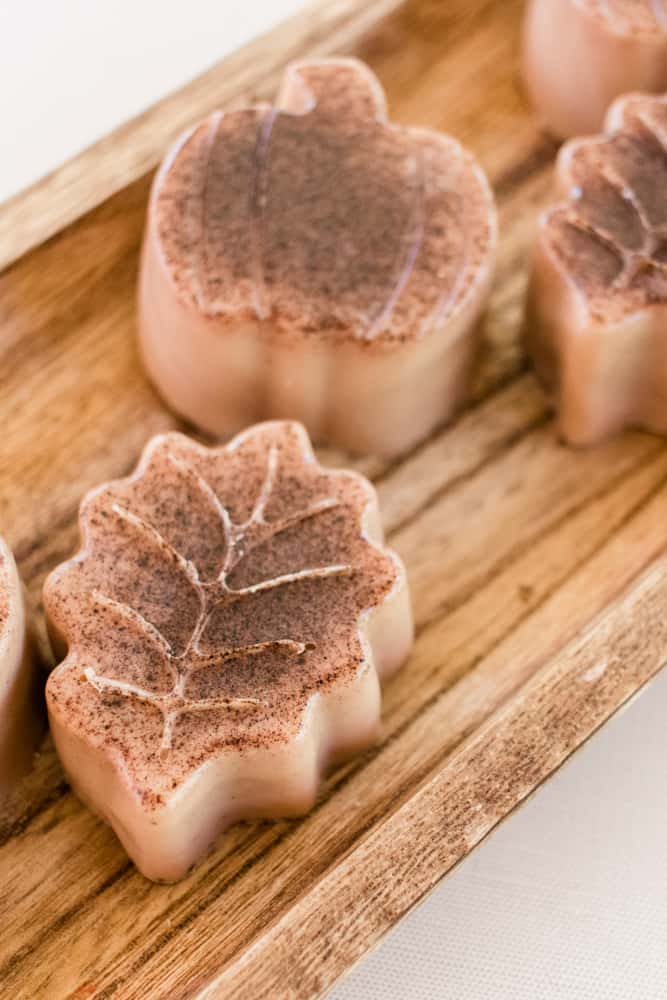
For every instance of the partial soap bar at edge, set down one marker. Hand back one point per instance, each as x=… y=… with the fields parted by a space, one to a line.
x=310 y=260
x=22 y=717
x=580 y=55
x=596 y=325
x=228 y=622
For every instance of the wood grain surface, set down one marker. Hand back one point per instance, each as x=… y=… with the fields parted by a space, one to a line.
x=514 y=545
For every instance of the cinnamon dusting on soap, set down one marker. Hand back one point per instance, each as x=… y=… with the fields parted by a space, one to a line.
x=216 y=593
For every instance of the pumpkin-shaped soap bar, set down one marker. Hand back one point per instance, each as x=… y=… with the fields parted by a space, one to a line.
x=597 y=321
x=227 y=624
x=312 y=260
x=579 y=55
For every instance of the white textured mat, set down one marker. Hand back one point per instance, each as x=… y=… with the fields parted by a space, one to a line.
x=567 y=900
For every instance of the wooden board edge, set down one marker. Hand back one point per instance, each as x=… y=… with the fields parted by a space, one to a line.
x=539 y=727
x=324 y=27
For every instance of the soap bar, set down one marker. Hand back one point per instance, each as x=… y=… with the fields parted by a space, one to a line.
x=21 y=698
x=579 y=55
x=309 y=260
x=227 y=622
x=597 y=315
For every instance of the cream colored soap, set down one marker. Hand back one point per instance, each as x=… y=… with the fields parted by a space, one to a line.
x=21 y=711
x=228 y=622
x=311 y=260
x=597 y=317
x=579 y=55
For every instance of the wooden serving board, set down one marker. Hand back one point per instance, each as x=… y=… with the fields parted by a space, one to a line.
x=513 y=543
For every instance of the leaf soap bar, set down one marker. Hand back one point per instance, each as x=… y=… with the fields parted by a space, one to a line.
x=579 y=55
x=21 y=698
x=228 y=621
x=597 y=318
x=312 y=261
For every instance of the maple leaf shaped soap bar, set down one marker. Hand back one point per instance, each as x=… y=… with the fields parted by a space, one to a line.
x=597 y=320
x=228 y=621
x=579 y=55
x=21 y=698
x=311 y=260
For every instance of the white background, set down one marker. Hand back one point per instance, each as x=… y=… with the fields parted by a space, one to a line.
x=568 y=899
x=72 y=70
